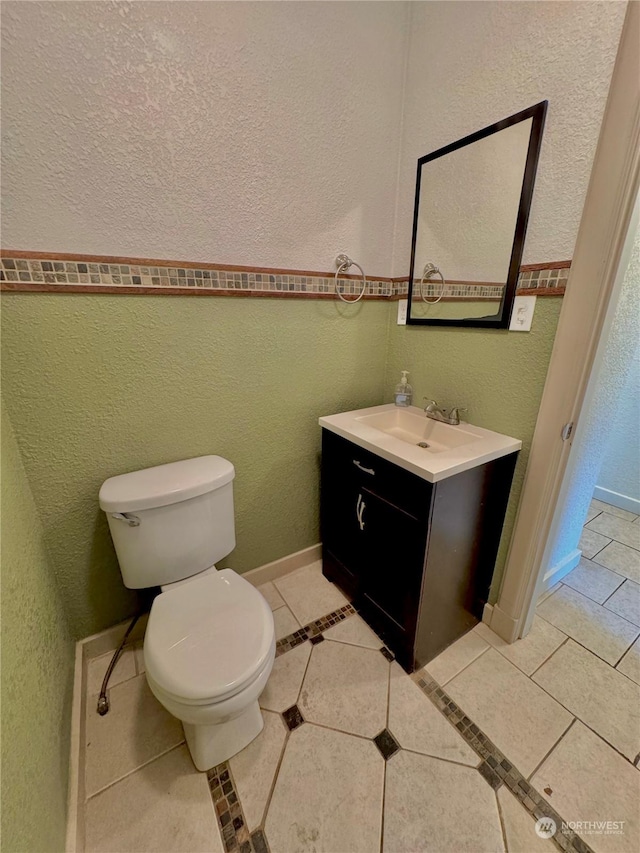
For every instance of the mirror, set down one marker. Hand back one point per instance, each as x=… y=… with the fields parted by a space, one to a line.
x=469 y=224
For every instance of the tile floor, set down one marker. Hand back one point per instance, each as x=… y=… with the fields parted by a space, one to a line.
x=357 y=756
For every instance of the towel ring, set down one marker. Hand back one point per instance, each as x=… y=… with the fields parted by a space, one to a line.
x=429 y=270
x=343 y=263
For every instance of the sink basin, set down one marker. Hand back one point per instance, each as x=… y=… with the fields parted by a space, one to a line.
x=428 y=448
x=417 y=429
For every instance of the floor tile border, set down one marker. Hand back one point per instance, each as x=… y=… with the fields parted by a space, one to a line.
x=313 y=629
x=229 y=814
x=495 y=768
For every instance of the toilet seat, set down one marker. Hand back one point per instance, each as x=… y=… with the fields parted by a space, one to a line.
x=208 y=639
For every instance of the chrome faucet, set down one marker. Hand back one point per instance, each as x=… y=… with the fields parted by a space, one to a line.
x=433 y=411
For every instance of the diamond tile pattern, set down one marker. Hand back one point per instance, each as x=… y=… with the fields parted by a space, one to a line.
x=292 y=717
x=387 y=744
x=349 y=738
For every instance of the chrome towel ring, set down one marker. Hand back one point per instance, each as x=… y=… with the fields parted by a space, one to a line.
x=429 y=270
x=343 y=263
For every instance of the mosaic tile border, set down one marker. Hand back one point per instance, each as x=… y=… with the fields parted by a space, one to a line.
x=496 y=769
x=50 y=273
x=99 y=273
x=313 y=629
x=544 y=280
x=229 y=814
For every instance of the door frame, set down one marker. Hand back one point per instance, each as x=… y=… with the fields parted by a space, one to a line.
x=591 y=289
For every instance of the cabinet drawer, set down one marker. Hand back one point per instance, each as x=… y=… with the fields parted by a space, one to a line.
x=393 y=484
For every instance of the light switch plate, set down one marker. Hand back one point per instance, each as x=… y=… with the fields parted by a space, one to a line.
x=402 y=311
x=522 y=314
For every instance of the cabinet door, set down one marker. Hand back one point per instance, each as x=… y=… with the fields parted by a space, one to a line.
x=394 y=552
x=342 y=502
x=342 y=529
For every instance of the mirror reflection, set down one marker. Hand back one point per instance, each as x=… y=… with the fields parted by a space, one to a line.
x=472 y=201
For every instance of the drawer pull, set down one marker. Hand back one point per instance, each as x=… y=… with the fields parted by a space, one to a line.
x=362 y=468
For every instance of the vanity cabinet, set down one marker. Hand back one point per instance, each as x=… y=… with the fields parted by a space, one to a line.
x=415 y=557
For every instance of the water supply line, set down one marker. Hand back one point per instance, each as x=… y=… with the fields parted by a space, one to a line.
x=103 y=701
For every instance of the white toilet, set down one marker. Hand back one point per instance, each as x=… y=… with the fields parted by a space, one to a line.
x=210 y=641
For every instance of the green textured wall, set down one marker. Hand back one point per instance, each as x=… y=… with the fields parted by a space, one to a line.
x=498 y=375
x=99 y=385
x=37 y=673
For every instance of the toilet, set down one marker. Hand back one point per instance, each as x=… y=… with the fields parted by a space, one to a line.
x=209 y=646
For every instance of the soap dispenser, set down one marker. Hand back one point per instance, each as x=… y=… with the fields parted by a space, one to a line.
x=404 y=391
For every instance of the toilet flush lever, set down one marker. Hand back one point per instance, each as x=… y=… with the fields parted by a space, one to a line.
x=132 y=520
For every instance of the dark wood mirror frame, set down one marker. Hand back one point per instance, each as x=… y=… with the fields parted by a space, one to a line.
x=537 y=113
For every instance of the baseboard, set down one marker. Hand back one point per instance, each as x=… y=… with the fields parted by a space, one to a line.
x=487 y=613
x=503 y=625
x=561 y=569
x=109 y=639
x=284 y=566
x=76 y=798
x=616 y=499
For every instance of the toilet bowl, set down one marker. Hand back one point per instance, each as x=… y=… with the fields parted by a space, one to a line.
x=208 y=652
x=210 y=641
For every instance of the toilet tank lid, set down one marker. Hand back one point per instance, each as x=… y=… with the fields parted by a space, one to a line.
x=165 y=484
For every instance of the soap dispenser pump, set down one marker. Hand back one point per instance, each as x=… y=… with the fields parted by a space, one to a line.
x=404 y=391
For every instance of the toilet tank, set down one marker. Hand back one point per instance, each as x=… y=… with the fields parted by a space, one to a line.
x=171 y=521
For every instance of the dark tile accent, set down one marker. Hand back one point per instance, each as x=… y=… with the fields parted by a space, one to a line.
x=319 y=638
x=386 y=743
x=389 y=655
x=489 y=774
x=293 y=717
x=233 y=828
x=259 y=842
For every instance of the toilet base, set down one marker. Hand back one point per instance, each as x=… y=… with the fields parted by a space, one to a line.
x=211 y=745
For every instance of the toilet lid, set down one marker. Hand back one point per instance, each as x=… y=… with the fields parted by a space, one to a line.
x=207 y=638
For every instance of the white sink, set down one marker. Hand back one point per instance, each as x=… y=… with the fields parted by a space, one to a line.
x=416 y=428
x=400 y=435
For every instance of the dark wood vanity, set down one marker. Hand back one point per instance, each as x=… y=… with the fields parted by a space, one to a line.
x=415 y=557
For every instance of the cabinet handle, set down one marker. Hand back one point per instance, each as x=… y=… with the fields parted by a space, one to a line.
x=360 y=511
x=362 y=468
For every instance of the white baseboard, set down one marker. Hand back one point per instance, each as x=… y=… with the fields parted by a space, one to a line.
x=284 y=566
x=561 y=569
x=502 y=624
x=487 y=613
x=616 y=499
x=76 y=794
x=109 y=639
